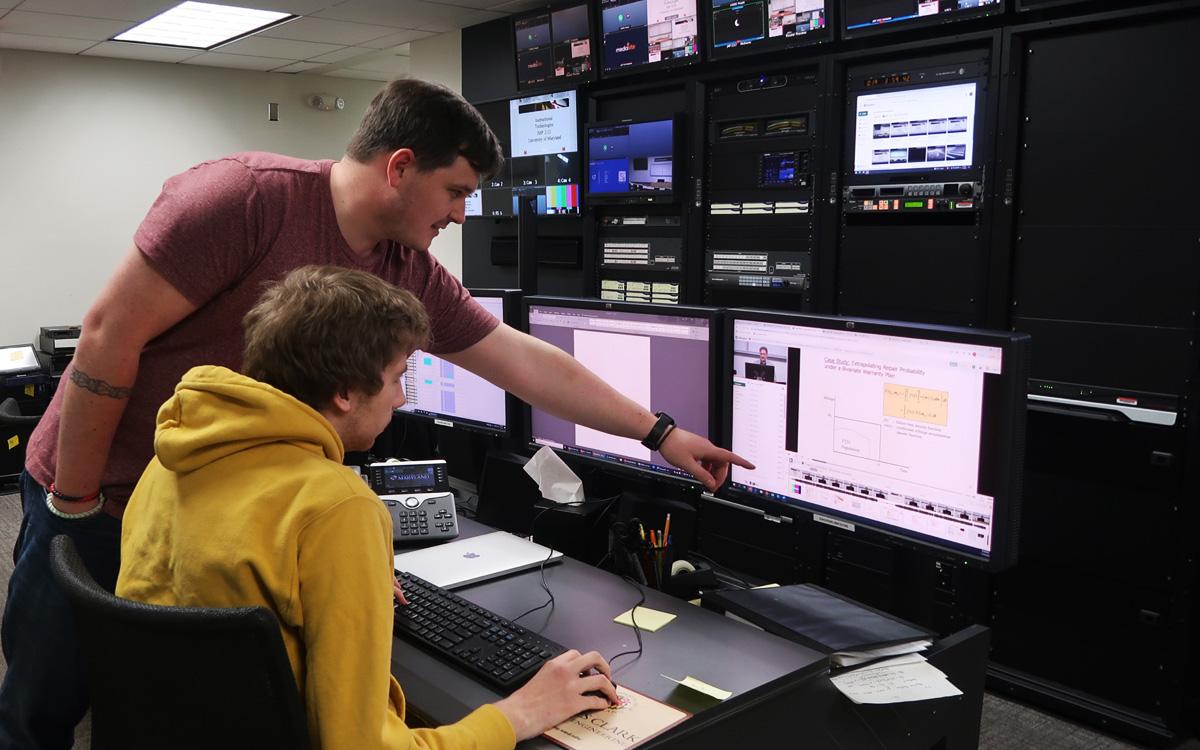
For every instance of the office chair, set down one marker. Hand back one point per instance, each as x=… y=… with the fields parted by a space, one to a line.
x=180 y=677
x=15 y=429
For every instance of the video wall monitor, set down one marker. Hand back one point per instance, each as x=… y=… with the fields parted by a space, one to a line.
x=636 y=34
x=632 y=162
x=917 y=129
x=544 y=141
x=553 y=46
x=741 y=27
x=913 y=430
x=451 y=396
x=494 y=196
x=864 y=17
x=661 y=358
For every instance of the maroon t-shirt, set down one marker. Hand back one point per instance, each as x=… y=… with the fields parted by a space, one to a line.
x=218 y=233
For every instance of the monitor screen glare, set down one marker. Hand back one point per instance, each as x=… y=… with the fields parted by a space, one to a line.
x=916 y=129
x=642 y=32
x=662 y=362
x=883 y=429
x=631 y=158
x=437 y=388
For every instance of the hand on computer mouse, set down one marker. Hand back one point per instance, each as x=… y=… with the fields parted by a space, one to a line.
x=564 y=686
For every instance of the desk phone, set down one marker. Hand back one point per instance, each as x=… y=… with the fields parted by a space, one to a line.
x=419 y=498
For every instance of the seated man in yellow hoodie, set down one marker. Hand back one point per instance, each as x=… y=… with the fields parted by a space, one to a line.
x=247 y=503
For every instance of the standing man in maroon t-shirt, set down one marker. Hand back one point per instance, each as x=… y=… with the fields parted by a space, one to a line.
x=215 y=235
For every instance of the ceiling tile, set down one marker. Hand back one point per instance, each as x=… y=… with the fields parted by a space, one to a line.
x=131 y=51
x=52 y=24
x=222 y=60
x=43 y=43
x=400 y=37
x=345 y=53
x=411 y=14
x=367 y=75
x=296 y=7
x=287 y=49
x=125 y=10
x=327 y=31
x=479 y=4
x=299 y=67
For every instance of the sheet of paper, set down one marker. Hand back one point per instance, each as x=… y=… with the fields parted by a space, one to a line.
x=648 y=619
x=700 y=686
x=895 y=684
x=635 y=720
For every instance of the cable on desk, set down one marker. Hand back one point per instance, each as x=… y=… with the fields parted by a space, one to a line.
x=637 y=631
x=542 y=568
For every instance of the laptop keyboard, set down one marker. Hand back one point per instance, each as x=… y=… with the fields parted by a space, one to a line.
x=490 y=648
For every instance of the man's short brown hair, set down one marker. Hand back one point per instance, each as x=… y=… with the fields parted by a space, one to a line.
x=436 y=123
x=325 y=330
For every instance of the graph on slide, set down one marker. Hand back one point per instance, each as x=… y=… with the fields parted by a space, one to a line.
x=881 y=441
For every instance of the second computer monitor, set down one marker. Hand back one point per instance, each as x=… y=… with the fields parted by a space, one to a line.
x=912 y=430
x=661 y=358
x=452 y=396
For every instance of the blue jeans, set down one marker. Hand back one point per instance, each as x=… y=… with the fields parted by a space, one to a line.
x=44 y=694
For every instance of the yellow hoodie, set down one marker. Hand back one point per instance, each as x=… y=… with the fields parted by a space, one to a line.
x=247 y=503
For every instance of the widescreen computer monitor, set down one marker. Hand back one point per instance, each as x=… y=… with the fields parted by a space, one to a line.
x=661 y=358
x=911 y=430
x=862 y=17
x=916 y=129
x=553 y=45
x=744 y=26
x=451 y=396
x=636 y=34
x=632 y=161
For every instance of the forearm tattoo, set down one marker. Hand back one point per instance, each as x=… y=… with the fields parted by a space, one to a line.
x=97 y=386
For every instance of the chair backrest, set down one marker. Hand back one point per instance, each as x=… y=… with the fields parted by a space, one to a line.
x=10 y=415
x=180 y=677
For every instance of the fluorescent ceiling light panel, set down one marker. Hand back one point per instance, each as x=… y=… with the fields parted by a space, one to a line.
x=201 y=25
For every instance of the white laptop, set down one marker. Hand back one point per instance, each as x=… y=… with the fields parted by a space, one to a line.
x=462 y=562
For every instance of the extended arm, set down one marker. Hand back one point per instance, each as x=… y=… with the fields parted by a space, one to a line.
x=135 y=305
x=550 y=379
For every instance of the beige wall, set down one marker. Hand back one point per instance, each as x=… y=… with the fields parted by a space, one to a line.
x=86 y=142
x=439 y=59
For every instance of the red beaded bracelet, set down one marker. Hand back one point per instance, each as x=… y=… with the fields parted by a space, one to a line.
x=73 y=498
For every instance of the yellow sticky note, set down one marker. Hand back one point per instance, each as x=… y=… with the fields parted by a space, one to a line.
x=29 y=391
x=14 y=441
x=701 y=687
x=649 y=620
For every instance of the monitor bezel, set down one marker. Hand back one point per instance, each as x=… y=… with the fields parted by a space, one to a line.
x=714 y=317
x=734 y=53
x=933 y=21
x=1009 y=421
x=511 y=310
x=638 y=199
x=553 y=83
x=632 y=70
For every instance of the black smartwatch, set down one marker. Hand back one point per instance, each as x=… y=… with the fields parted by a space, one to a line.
x=658 y=433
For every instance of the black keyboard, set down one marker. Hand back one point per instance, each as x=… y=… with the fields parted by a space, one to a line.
x=490 y=648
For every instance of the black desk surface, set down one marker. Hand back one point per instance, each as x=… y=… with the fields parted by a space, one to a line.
x=763 y=671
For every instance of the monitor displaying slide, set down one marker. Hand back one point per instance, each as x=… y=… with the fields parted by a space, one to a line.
x=637 y=33
x=451 y=395
x=661 y=360
x=916 y=129
x=762 y=25
x=866 y=16
x=544 y=151
x=553 y=46
x=912 y=430
x=631 y=161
